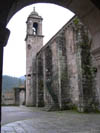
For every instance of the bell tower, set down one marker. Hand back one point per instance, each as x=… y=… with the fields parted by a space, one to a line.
x=34 y=42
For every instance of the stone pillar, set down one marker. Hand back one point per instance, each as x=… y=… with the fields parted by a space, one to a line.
x=49 y=102
x=4 y=35
x=51 y=99
x=87 y=95
x=22 y=97
x=33 y=83
x=44 y=79
x=63 y=79
x=72 y=67
x=39 y=81
x=96 y=55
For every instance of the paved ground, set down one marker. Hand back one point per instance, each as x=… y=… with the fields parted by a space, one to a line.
x=12 y=114
x=49 y=122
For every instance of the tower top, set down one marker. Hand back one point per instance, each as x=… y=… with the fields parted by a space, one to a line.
x=34 y=14
x=34 y=25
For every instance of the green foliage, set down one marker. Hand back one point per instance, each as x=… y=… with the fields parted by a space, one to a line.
x=76 y=21
x=8 y=83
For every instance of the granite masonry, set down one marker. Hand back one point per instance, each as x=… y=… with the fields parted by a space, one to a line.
x=15 y=97
x=62 y=73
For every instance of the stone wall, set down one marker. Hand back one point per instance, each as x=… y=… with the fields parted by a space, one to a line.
x=52 y=61
x=15 y=97
x=39 y=81
x=50 y=93
x=65 y=74
x=87 y=87
x=8 y=98
x=20 y=95
x=63 y=78
x=34 y=42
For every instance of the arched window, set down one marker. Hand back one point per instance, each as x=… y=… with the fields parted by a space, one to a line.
x=35 y=28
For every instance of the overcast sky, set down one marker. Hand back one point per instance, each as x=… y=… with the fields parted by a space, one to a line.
x=54 y=17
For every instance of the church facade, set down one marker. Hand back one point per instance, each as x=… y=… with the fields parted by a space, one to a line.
x=62 y=73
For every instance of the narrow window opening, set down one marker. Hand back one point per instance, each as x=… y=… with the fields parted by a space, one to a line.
x=35 y=28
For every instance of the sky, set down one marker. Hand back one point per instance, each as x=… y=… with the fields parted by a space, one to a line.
x=54 y=17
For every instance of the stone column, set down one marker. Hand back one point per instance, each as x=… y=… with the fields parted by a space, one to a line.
x=63 y=78
x=39 y=79
x=4 y=35
x=44 y=79
x=51 y=99
x=87 y=97
x=96 y=55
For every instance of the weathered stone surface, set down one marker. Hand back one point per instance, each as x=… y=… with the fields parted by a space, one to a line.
x=19 y=95
x=62 y=73
x=87 y=10
x=8 y=98
x=34 y=42
x=39 y=81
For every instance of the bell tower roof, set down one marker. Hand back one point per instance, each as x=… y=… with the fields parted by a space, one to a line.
x=34 y=25
x=34 y=14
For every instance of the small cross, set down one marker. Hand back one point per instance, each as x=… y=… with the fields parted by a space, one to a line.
x=34 y=9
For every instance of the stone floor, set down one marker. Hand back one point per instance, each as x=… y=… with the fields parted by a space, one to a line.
x=55 y=122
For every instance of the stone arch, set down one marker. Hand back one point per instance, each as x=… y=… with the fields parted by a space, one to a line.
x=86 y=10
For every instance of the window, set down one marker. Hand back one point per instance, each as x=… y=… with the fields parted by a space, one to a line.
x=35 y=28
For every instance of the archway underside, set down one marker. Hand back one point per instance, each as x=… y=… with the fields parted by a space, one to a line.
x=86 y=11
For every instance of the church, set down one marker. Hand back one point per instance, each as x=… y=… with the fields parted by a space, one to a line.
x=61 y=74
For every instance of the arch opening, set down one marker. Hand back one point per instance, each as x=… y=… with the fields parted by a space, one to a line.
x=82 y=18
x=29 y=46
x=35 y=28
